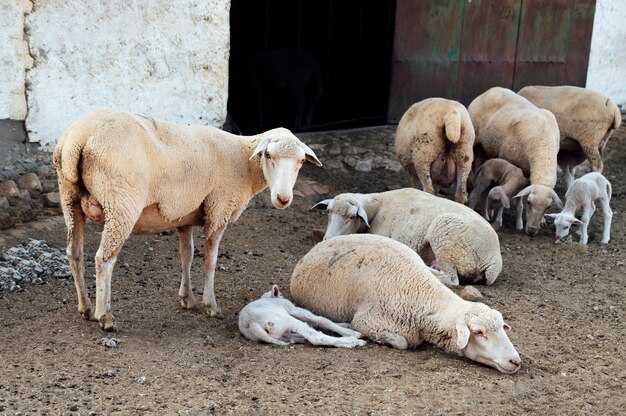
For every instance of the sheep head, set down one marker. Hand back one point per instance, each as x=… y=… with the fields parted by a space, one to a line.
x=346 y=215
x=539 y=199
x=563 y=222
x=481 y=336
x=282 y=155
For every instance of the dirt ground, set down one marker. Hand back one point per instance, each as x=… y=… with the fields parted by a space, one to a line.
x=566 y=305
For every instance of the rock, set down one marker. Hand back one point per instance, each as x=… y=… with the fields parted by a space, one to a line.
x=141 y=380
x=4 y=202
x=51 y=199
x=9 y=189
x=24 y=195
x=110 y=342
x=22 y=213
x=29 y=182
x=471 y=293
x=48 y=185
x=364 y=165
x=318 y=235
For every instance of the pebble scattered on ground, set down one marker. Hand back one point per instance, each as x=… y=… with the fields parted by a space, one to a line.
x=32 y=262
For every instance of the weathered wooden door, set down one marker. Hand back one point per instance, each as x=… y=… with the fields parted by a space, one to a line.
x=457 y=49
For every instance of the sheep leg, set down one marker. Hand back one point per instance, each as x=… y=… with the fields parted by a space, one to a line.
x=262 y=335
x=423 y=173
x=587 y=211
x=321 y=322
x=499 y=216
x=211 y=247
x=607 y=216
x=486 y=213
x=319 y=338
x=519 y=222
x=185 y=236
x=568 y=176
x=75 y=220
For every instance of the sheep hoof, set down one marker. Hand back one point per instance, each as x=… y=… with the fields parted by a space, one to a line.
x=213 y=313
x=107 y=322
x=87 y=314
x=188 y=303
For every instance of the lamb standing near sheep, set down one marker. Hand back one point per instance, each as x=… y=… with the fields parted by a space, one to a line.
x=586 y=121
x=461 y=243
x=509 y=179
x=582 y=194
x=434 y=142
x=138 y=175
x=387 y=292
x=510 y=127
x=275 y=320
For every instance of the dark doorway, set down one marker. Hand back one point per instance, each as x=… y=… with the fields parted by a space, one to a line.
x=309 y=64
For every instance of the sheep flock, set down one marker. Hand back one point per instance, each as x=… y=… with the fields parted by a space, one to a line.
x=385 y=270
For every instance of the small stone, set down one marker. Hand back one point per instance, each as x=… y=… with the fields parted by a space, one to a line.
x=111 y=373
x=48 y=185
x=9 y=189
x=4 y=202
x=51 y=199
x=73 y=408
x=471 y=294
x=110 y=342
x=141 y=380
x=24 y=195
x=22 y=213
x=364 y=165
x=29 y=182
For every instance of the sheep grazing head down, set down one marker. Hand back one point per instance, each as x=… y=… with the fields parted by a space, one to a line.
x=345 y=216
x=563 y=223
x=282 y=155
x=482 y=337
x=539 y=199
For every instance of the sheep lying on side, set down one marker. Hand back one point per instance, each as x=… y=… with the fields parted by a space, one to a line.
x=509 y=179
x=586 y=121
x=434 y=143
x=275 y=320
x=582 y=194
x=510 y=127
x=138 y=175
x=390 y=296
x=458 y=240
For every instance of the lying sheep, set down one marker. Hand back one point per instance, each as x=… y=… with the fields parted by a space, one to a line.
x=510 y=127
x=275 y=320
x=138 y=175
x=582 y=194
x=509 y=179
x=434 y=143
x=461 y=243
x=586 y=121
x=389 y=295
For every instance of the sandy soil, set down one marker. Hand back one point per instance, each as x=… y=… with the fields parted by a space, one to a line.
x=566 y=304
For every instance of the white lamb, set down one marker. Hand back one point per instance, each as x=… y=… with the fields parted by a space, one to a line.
x=582 y=194
x=510 y=127
x=508 y=178
x=586 y=121
x=434 y=143
x=457 y=240
x=390 y=296
x=138 y=175
x=275 y=320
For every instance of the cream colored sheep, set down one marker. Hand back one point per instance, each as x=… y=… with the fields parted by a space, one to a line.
x=138 y=175
x=387 y=292
x=586 y=120
x=510 y=127
x=434 y=142
x=508 y=180
x=458 y=240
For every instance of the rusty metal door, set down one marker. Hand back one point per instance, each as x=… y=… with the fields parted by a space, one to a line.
x=458 y=49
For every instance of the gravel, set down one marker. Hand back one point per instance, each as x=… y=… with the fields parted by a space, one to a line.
x=31 y=262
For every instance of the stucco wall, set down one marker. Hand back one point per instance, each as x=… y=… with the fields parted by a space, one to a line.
x=607 y=60
x=165 y=59
x=14 y=59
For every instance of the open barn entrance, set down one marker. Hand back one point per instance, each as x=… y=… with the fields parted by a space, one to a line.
x=309 y=64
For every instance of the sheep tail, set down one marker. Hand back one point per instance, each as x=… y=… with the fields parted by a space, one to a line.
x=67 y=156
x=453 y=126
x=618 y=115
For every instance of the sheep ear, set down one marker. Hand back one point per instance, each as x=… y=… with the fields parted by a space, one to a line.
x=260 y=148
x=577 y=221
x=363 y=215
x=523 y=192
x=504 y=200
x=556 y=200
x=310 y=155
x=506 y=327
x=321 y=205
x=462 y=334
x=275 y=291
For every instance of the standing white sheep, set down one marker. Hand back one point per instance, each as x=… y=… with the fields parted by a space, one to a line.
x=138 y=175
x=434 y=143
x=510 y=127
x=586 y=121
x=582 y=194
x=508 y=178
x=390 y=296
x=275 y=320
x=456 y=239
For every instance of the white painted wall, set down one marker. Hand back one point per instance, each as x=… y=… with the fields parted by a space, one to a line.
x=167 y=59
x=14 y=59
x=607 y=59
